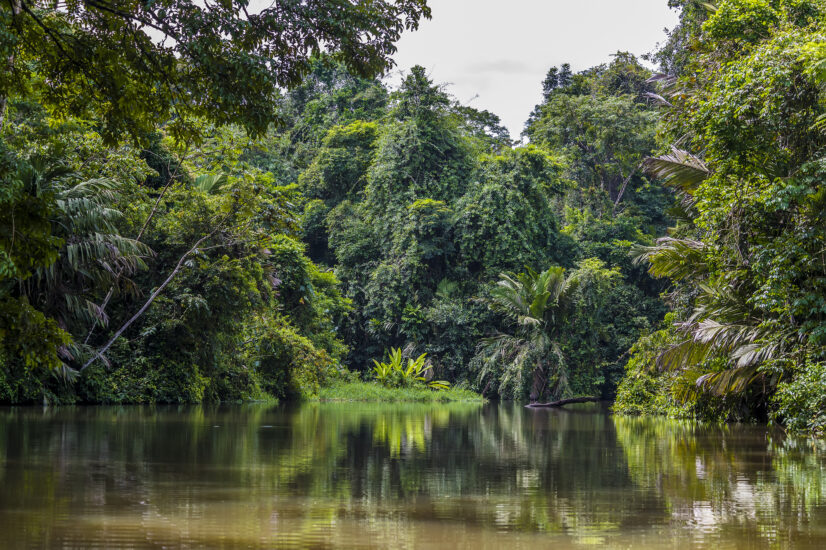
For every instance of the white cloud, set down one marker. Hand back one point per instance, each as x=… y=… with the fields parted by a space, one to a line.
x=500 y=51
x=500 y=66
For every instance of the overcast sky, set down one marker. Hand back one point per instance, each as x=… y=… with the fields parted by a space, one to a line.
x=501 y=50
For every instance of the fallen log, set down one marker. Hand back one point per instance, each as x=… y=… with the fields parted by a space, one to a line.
x=563 y=402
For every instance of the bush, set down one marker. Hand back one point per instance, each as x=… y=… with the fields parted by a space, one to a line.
x=290 y=365
x=643 y=390
x=800 y=402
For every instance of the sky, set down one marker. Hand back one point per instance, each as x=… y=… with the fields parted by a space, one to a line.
x=493 y=54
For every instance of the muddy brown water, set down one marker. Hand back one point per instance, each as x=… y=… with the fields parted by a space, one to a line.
x=401 y=476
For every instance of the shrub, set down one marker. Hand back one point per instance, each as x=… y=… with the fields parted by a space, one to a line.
x=396 y=375
x=800 y=402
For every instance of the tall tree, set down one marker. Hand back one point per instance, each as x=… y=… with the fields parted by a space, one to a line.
x=135 y=63
x=747 y=261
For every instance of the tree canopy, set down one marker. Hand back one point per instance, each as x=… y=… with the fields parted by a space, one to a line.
x=131 y=63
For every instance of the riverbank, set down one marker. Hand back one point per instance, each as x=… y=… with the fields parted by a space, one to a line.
x=372 y=392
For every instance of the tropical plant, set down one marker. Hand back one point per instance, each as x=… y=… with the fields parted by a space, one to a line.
x=396 y=374
x=211 y=184
x=415 y=371
x=383 y=372
x=722 y=323
x=679 y=168
x=531 y=353
x=91 y=256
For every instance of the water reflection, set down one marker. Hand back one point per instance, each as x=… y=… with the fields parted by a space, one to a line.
x=737 y=481
x=405 y=476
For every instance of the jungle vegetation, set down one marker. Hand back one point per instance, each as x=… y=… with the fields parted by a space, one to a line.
x=235 y=206
x=742 y=137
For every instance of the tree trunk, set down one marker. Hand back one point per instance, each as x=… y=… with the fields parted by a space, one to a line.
x=15 y=11
x=148 y=303
x=563 y=402
x=624 y=185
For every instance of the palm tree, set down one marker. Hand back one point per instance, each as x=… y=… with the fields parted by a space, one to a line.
x=531 y=352
x=722 y=325
x=91 y=251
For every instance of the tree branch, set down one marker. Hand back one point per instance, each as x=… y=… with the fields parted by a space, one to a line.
x=563 y=402
x=624 y=184
x=111 y=292
x=151 y=299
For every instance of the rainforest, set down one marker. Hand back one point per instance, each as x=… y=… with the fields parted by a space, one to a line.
x=265 y=282
x=210 y=205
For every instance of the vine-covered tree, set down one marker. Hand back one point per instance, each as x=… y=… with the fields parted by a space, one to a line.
x=133 y=63
x=745 y=118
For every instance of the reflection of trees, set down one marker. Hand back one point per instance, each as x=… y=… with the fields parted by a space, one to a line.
x=545 y=470
x=800 y=468
x=728 y=479
x=339 y=474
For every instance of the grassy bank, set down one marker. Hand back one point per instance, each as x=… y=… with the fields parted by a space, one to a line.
x=372 y=392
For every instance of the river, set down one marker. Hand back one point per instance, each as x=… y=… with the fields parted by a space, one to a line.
x=400 y=476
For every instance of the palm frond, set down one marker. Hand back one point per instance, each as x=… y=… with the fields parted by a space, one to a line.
x=680 y=169
x=730 y=381
x=657 y=99
x=93 y=254
x=439 y=384
x=677 y=259
x=723 y=326
x=211 y=184
x=529 y=302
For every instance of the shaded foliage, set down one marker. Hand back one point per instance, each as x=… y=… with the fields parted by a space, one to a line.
x=747 y=255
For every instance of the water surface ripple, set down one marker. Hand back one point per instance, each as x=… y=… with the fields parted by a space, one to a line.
x=400 y=476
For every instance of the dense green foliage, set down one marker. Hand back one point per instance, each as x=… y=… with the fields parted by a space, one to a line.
x=421 y=206
x=136 y=63
x=746 y=106
x=143 y=256
x=235 y=214
x=415 y=203
x=246 y=312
